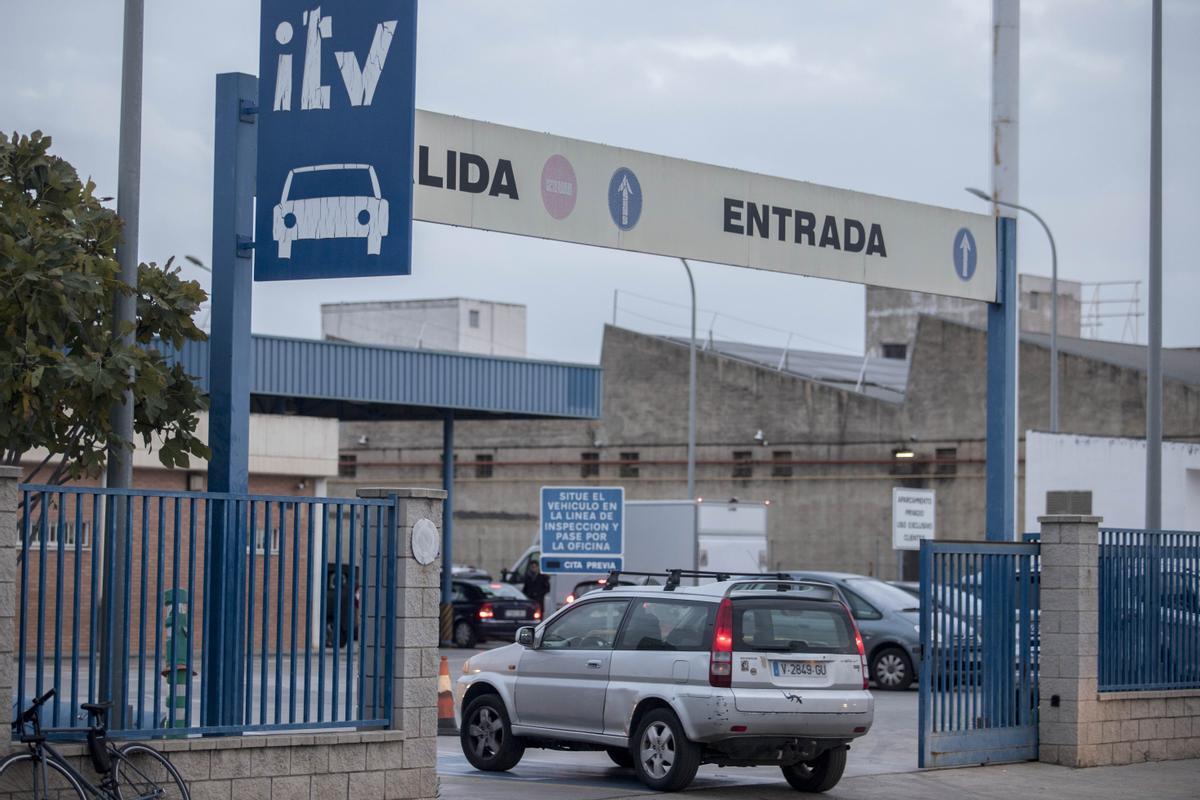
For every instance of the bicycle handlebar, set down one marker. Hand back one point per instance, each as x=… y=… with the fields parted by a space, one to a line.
x=30 y=714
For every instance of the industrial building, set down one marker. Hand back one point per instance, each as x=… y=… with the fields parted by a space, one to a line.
x=824 y=437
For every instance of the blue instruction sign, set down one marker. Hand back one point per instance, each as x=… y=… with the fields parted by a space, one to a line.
x=624 y=198
x=335 y=138
x=965 y=254
x=583 y=528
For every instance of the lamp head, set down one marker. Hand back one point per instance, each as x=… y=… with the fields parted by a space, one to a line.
x=982 y=195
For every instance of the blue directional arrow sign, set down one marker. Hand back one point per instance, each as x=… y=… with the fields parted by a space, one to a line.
x=965 y=254
x=625 y=198
x=335 y=139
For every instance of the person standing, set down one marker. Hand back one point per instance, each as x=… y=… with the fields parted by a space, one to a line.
x=536 y=585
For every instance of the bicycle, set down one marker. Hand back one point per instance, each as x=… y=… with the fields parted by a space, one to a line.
x=132 y=772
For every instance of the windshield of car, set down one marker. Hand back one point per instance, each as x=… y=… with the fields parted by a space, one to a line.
x=777 y=625
x=330 y=183
x=883 y=595
x=500 y=591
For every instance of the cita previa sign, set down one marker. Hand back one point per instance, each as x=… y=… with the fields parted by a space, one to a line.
x=583 y=528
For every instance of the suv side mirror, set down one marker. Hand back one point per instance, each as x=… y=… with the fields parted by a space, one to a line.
x=525 y=637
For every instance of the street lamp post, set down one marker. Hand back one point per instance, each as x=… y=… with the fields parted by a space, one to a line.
x=691 y=435
x=982 y=195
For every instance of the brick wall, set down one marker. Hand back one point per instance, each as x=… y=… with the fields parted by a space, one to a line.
x=1078 y=725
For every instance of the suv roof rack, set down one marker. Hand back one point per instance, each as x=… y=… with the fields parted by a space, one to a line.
x=673 y=577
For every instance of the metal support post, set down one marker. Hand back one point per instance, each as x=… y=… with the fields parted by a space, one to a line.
x=1002 y=388
x=447 y=609
x=120 y=453
x=234 y=155
x=1154 y=317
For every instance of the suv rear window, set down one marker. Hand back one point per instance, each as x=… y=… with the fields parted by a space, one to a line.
x=779 y=625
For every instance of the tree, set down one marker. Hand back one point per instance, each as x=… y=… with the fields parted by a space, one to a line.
x=62 y=363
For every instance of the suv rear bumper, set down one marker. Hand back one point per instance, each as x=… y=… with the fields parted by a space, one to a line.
x=712 y=716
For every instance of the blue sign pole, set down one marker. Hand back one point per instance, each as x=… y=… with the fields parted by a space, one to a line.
x=1002 y=388
x=234 y=154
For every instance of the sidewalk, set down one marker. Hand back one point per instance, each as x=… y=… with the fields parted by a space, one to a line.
x=1160 y=780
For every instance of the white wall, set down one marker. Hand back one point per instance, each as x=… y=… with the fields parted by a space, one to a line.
x=1114 y=471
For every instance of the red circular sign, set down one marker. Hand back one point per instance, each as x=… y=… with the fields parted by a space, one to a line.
x=558 y=187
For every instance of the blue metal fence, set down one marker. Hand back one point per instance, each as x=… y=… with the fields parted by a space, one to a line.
x=979 y=643
x=317 y=607
x=1149 y=610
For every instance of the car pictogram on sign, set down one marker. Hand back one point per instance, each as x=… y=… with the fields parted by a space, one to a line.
x=330 y=201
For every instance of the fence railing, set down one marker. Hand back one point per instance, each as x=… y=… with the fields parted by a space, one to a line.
x=314 y=620
x=1149 y=610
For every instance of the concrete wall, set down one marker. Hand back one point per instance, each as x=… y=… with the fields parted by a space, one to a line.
x=830 y=491
x=443 y=324
x=1104 y=466
x=893 y=314
x=396 y=763
x=1078 y=725
x=306 y=447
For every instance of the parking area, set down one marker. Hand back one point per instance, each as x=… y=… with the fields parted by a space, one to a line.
x=882 y=766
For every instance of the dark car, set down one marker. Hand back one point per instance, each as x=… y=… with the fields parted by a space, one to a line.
x=489 y=610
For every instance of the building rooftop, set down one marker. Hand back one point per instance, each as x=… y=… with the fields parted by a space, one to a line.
x=881 y=378
x=355 y=381
x=887 y=378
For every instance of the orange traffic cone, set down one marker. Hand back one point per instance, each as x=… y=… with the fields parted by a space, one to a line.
x=445 y=701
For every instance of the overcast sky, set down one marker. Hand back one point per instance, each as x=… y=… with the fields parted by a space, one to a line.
x=884 y=97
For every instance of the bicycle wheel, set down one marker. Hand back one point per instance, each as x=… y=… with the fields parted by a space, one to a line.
x=21 y=776
x=141 y=773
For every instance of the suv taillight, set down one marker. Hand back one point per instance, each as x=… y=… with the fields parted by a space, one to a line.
x=862 y=651
x=720 y=660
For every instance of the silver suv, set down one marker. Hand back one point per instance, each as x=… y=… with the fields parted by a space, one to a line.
x=746 y=672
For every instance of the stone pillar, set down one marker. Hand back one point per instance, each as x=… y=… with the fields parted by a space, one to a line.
x=414 y=694
x=1069 y=707
x=9 y=506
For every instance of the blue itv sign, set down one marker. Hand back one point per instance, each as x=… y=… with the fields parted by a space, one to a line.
x=583 y=528
x=335 y=139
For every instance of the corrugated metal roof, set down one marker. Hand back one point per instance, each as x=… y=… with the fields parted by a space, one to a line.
x=1180 y=363
x=881 y=378
x=355 y=381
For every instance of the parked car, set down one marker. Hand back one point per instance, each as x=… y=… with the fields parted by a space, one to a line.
x=489 y=610
x=469 y=572
x=666 y=678
x=889 y=619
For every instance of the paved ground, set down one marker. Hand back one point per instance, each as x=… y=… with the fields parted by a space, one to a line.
x=882 y=765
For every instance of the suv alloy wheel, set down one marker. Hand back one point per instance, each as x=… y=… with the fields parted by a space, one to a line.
x=487 y=737
x=663 y=757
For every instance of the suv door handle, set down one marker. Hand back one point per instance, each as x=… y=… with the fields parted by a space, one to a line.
x=594 y=663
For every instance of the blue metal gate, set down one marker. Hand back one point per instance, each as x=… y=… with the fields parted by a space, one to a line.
x=979 y=644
